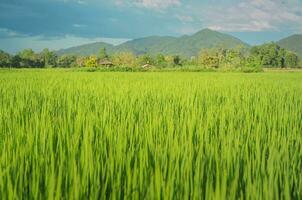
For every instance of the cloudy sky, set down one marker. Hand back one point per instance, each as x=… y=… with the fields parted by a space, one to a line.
x=64 y=23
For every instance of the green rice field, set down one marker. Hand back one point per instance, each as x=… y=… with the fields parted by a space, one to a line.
x=167 y=135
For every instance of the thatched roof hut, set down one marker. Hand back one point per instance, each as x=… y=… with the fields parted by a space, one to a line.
x=146 y=66
x=105 y=63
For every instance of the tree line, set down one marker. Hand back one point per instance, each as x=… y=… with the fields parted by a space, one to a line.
x=267 y=55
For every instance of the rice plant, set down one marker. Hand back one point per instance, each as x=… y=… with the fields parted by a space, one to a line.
x=78 y=135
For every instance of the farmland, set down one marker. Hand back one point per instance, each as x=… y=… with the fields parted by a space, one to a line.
x=81 y=135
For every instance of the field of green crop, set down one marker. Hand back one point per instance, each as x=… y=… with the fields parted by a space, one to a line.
x=81 y=135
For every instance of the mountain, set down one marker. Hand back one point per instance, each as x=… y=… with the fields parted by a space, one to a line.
x=151 y=45
x=292 y=43
x=87 y=49
x=191 y=45
x=184 y=46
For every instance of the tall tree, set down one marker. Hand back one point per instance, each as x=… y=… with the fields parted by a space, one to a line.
x=291 y=59
x=160 y=60
x=49 y=58
x=26 y=54
x=16 y=61
x=28 y=58
x=5 y=59
x=177 y=60
x=103 y=54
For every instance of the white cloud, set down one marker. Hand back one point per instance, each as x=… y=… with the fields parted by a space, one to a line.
x=184 y=18
x=186 y=30
x=242 y=27
x=256 y=15
x=150 y=4
x=37 y=43
x=78 y=25
x=82 y=2
x=243 y=16
x=5 y=33
x=158 y=4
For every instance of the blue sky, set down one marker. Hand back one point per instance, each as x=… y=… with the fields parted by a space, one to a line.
x=64 y=23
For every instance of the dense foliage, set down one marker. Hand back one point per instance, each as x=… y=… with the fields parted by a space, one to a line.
x=267 y=55
x=272 y=55
x=70 y=135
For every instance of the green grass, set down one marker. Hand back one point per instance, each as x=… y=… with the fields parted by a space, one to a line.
x=69 y=135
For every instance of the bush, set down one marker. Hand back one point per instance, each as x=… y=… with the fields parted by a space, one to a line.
x=91 y=61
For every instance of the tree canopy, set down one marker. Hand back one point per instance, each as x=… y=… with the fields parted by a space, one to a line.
x=272 y=55
x=267 y=55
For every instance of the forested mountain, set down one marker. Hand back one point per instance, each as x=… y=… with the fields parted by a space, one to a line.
x=205 y=39
x=151 y=45
x=292 y=43
x=87 y=49
x=183 y=46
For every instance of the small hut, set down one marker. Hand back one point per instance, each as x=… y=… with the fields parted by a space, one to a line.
x=105 y=63
x=146 y=66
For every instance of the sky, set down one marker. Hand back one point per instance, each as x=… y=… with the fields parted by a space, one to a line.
x=57 y=24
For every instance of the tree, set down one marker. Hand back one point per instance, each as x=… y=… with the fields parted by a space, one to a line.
x=5 y=59
x=103 y=54
x=253 y=62
x=172 y=61
x=66 y=61
x=25 y=58
x=28 y=58
x=222 y=58
x=209 y=58
x=144 y=59
x=233 y=58
x=15 y=61
x=91 y=61
x=169 y=61
x=49 y=58
x=176 y=60
x=272 y=55
x=300 y=64
x=125 y=59
x=291 y=59
x=80 y=61
x=160 y=60
x=26 y=54
x=191 y=61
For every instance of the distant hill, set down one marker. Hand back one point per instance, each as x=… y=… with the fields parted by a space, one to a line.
x=191 y=45
x=87 y=49
x=184 y=46
x=151 y=45
x=292 y=43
